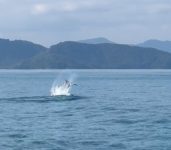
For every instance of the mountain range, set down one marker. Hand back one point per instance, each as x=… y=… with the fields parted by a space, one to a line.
x=161 y=45
x=99 y=53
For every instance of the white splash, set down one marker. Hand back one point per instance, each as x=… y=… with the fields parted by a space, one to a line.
x=63 y=84
x=62 y=89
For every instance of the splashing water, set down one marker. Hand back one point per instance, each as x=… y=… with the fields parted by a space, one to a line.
x=61 y=88
x=58 y=90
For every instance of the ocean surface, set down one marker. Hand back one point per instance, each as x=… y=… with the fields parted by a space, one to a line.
x=107 y=110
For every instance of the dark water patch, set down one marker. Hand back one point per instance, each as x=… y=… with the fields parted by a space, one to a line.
x=58 y=111
x=118 y=146
x=17 y=135
x=80 y=108
x=38 y=142
x=7 y=146
x=19 y=140
x=110 y=108
x=97 y=129
x=135 y=138
x=68 y=115
x=92 y=143
x=126 y=121
x=42 y=99
x=43 y=144
x=120 y=121
x=58 y=148
x=63 y=143
x=92 y=115
x=41 y=116
x=162 y=121
x=59 y=144
x=166 y=137
x=132 y=110
x=124 y=110
x=114 y=135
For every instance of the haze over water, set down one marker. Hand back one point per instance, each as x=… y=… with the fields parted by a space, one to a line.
x=109 y=109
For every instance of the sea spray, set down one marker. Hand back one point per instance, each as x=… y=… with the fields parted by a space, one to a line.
x=58 y=90
x=59 y=86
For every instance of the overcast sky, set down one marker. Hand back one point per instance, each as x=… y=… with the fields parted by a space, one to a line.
x=50 y=21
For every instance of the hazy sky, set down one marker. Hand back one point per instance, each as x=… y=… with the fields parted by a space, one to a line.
x=50 y=21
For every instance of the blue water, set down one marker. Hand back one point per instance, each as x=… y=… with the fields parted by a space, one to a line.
x=108 y=110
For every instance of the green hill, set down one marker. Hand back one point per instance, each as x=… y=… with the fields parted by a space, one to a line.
x=99 y=56
x=13 y=53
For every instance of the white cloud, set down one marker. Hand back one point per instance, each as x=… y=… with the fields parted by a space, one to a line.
x=40 y=9
x=67 y=6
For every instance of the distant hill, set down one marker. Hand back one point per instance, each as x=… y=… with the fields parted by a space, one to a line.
x=98 y=40
x=161 y=45
x=75 y=55
x=13 y=53
x=99 y=56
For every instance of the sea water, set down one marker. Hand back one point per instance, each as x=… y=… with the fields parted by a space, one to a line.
x=108 y=110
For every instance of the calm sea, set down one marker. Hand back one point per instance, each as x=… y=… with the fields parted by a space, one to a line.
x=108 y=110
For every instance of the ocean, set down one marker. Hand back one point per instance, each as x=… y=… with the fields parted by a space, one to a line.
x=105 y=110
